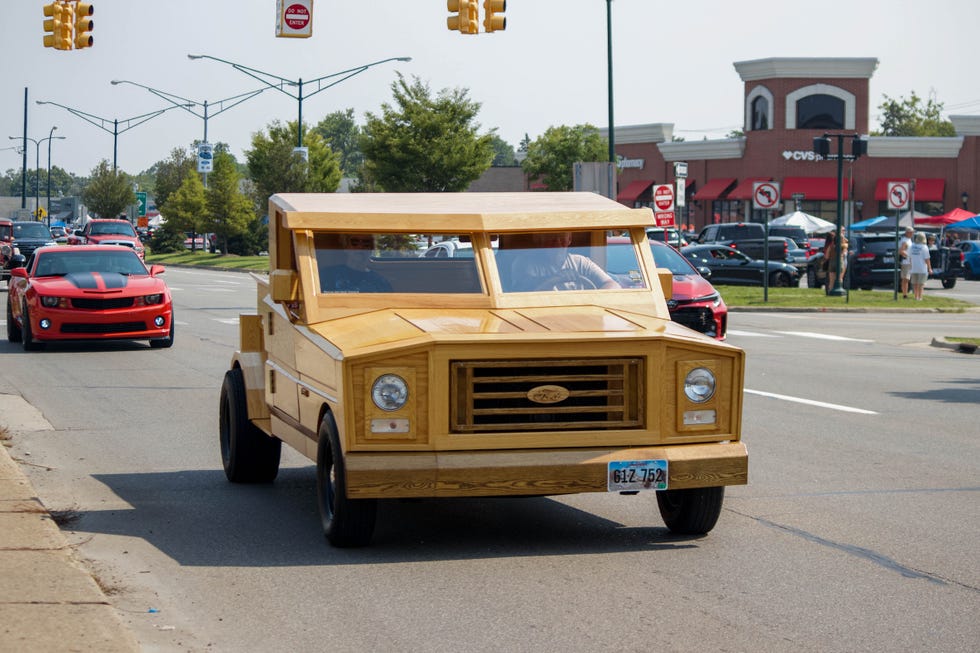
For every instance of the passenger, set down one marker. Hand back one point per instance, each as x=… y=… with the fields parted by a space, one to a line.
x=354 y=275
x=550 y=266
x=905 y=269
x=920 y=264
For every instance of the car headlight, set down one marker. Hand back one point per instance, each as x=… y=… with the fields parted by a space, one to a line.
x=50 y=302
x=389 y=392
x=699 y=385
x=150 y=300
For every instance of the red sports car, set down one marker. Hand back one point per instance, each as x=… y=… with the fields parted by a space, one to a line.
x=108 y=232
x=89 y=292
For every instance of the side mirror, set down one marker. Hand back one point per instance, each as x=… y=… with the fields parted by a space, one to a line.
x=157 y=269
x=704 y=271
x=19 y=271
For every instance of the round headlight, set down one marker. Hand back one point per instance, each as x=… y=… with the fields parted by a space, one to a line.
x=50 y=302
x=389 y=392
x=699 y=385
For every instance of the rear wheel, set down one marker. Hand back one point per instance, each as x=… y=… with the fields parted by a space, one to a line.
x=780 y=280
x=346 y=522
x=13 y=329
x=949 y=283
x=691 y=512
x=247 y=453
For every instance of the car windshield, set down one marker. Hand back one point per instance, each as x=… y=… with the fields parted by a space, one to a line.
x=393 y=262
x=670 y=258
x=31 y=230
x=112 y=228
x=67 y=260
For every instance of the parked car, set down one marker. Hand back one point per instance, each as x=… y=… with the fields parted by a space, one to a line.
x=109 y=232
x=796 y=234
x=693 y=302
x=971 y=258
x=871 y=261
x=449 y=249
x=730 y=266
x=6 y=246
x=88 y=292
x=726 y=232
x=667 y=234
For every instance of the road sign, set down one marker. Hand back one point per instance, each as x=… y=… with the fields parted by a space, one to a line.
x=681 y=191
x=294 y=18
x=765 y=195
x=141 y=204
x=664 y=219
x=205 y=157
x=40 y=213
x=663 y=197
x=898 y=195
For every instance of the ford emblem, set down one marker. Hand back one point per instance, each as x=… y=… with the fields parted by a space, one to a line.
x=547 y=394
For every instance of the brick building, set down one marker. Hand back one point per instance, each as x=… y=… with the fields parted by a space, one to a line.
x=787 y=103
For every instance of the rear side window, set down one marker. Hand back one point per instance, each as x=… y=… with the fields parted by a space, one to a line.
x=741 y=231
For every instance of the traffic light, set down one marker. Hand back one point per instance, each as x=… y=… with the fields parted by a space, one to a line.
x=492 y=20
x=55 y=26
x=67 y=26
x=84 y=25
x=467 y=18
x=821 y=146
x=859 y=147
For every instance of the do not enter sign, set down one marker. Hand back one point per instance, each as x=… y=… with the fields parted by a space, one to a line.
x=295 y=18
x=663 y=197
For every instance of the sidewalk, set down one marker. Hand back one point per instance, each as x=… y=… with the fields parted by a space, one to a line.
x=48 y=601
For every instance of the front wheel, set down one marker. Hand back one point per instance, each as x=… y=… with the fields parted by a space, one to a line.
x=161 y=343
x=949 y=283
x=27 y=334
x=247 y=453
x=780 y=280
x=346 y=522
x=691 y=512
x=13 y=329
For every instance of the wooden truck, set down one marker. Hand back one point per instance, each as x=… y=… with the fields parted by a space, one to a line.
x=510 y=364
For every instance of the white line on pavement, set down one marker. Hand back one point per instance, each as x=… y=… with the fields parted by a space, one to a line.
x=821 y=336
x=811 y=402
x=751 y=334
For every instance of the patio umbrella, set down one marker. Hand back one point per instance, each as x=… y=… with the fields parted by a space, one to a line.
x=810 y=223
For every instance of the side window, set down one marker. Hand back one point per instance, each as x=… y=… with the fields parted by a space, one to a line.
x=760 y=113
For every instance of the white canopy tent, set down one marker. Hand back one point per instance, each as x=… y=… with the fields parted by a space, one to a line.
x=810 y=223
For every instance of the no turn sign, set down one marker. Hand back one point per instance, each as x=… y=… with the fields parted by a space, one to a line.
x=765 y=195
x=294 y=18
x=898 y=195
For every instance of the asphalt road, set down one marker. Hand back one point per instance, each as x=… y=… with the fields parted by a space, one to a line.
x=858 y=530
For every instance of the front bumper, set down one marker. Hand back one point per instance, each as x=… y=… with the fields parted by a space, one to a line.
x=533 y=472
x=133 y=324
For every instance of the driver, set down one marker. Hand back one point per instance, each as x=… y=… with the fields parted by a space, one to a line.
x=552 y=267
x=354 y=274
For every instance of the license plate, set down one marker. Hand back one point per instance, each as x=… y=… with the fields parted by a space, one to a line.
x=888 y=259
x=637 y=475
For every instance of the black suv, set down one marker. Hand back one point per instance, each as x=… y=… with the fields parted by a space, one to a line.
x=872 y=261
x=726 y=232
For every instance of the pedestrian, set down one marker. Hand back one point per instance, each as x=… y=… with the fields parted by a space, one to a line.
x=830 y=257
x=920 y=264
x=903 y=254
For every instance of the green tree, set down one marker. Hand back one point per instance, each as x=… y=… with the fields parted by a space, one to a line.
x=229 y=211
x=551 y=155
x=187 y=208
x=109 y=191
x=341 y=133
x=425 y=143
x=912 y=117
x=274 y=167
x=169 y=175
x=503 y=152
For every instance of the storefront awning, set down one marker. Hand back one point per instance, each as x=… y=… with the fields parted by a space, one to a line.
x=813 y=188
x=633 y=190
x=926 y=190
x=714 y=189
x=744 y=189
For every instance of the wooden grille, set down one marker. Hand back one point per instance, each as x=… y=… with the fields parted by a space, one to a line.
x=597 y=393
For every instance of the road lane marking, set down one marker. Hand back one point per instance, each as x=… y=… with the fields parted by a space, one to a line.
x=822 y=336
x=811 y=402
x=751 y=334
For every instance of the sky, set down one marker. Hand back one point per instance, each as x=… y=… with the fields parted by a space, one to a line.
x=672 y=63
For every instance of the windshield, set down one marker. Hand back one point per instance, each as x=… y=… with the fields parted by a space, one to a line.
x=567 y=260
x=670 y=258
x=112 y=228
x=66 y=260
x=31 y=230
x=389 y=262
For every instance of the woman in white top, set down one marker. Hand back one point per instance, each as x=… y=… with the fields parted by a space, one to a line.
x=920 y=263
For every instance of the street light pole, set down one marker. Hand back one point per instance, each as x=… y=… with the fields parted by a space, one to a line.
x=48 y=205
x=37 y=166
x=280 y=83
x=609 y=74
x=102 y=122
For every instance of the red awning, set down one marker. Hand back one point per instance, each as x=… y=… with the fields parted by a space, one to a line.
x=633 y=190
x=744 y=189
x=813 y=188
x=714 y=189
x=926 y=190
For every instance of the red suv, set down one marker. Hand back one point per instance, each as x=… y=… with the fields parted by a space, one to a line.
x=108 y=232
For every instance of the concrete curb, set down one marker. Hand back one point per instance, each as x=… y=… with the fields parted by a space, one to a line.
x=48 y=600
x=961 y=347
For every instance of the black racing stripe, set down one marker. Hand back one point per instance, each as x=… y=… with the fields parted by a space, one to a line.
x=84 y=280
x=113 y=280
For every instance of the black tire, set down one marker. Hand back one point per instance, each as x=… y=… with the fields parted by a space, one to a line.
x=27 y=334
x=691 y=512
x=949 y=283
x=811 y=278
x=163 y=343
x=346 y=522
x=247 y=453
x=13 y=329
x=780 y=280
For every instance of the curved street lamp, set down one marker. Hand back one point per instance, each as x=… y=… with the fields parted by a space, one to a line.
x=280 y=83
x=37 y=169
